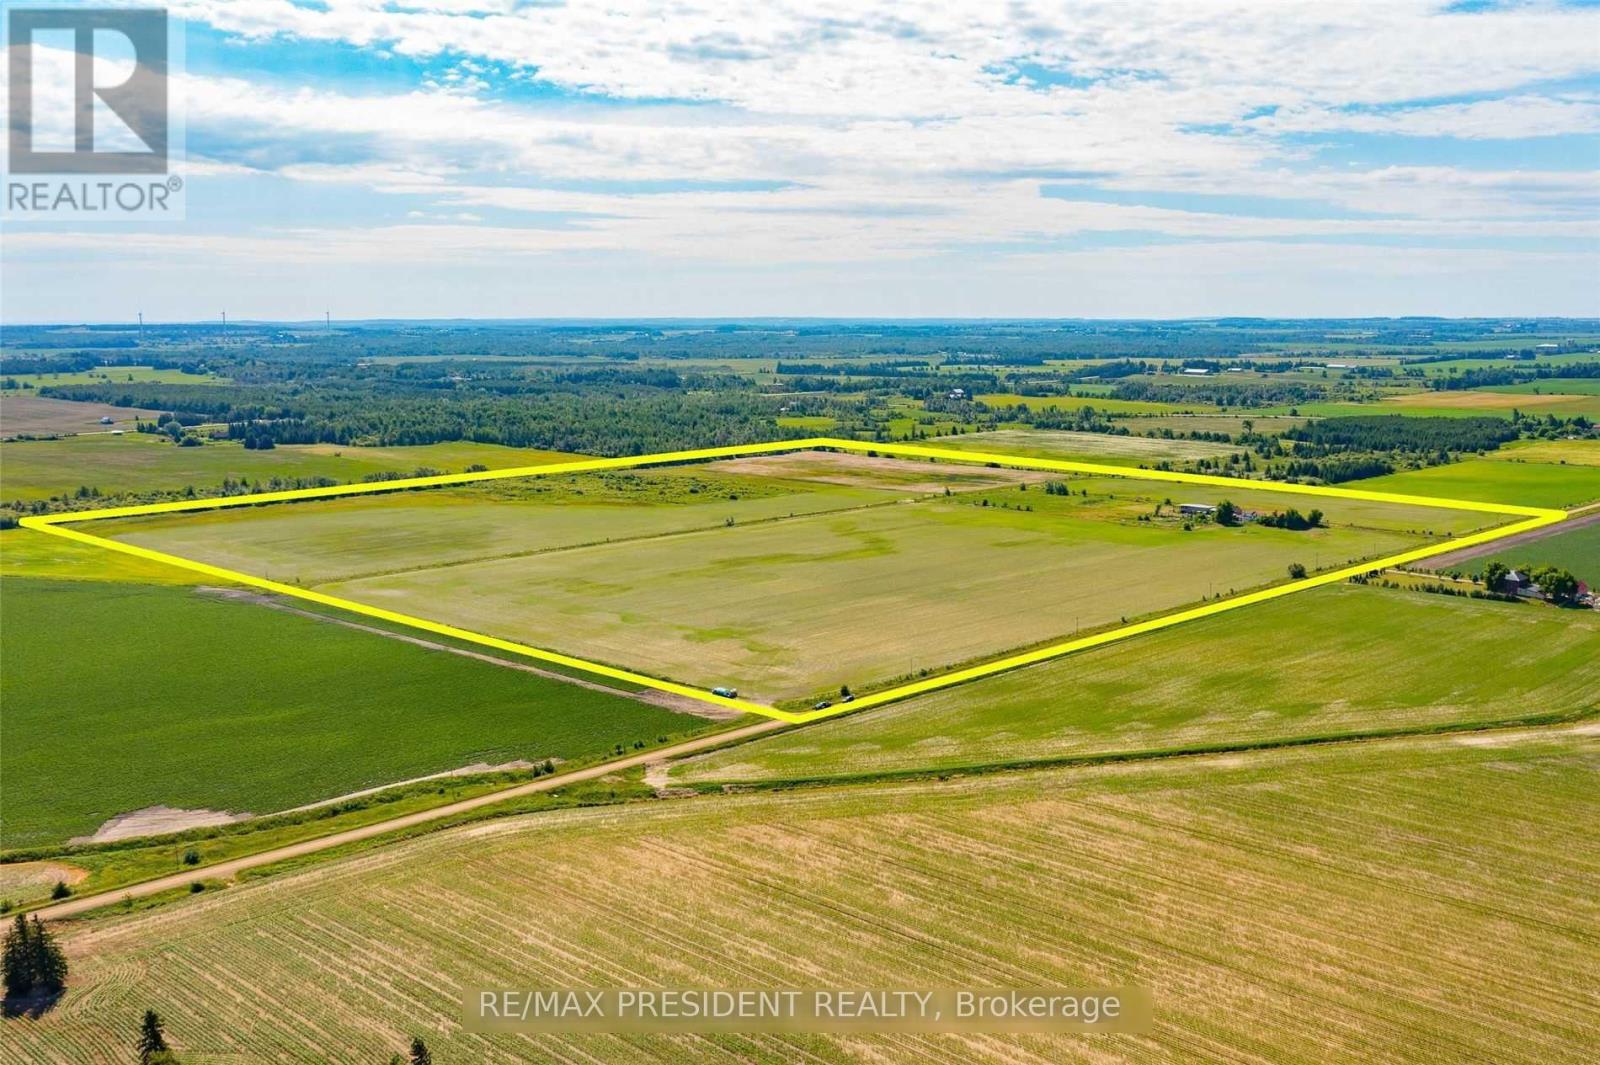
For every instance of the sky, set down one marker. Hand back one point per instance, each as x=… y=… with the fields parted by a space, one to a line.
x=1133 y=158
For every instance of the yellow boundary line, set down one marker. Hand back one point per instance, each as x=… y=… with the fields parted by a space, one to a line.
x=54 y=524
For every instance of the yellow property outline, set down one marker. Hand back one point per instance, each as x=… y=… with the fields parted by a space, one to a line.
x=1536 y=517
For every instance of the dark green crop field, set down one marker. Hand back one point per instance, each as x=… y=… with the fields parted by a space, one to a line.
x=120 y=697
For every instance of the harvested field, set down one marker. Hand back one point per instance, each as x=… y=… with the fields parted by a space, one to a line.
x=28 y=415
x=1350 y=903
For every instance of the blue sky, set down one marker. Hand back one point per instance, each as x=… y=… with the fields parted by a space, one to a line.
x=494 y=157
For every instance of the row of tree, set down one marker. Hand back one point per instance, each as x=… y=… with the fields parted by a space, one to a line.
x=31 y=963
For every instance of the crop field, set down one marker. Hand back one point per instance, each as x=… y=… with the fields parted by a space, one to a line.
x=24 y=554
x=1497 y=402
x=1334 y=661
x=1100 y=403
x=125 y=696
x=30 y=415
x=1577 y=551
x=1343 y=903
x=115 y=375
x=1088 y=447
x=1575 y=452
x=339 y=539
x=1534 y=484
x=1552 y=386
x=39 y=469
x=1213 y=423
x=784 y=576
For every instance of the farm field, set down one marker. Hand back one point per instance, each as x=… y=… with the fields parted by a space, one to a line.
x=1109 y=406
x=1496 y=402
x=1213 y=423
x=338 y=539
x=795 y=607
x=1350 y=902
x=1577 y=551
x=1273 y=672
x=24 y=414
x=1534 y=484
x=1574 y=452
x=24 y=553
x=125 y=696
x=1086 y=447
x=39 y=469
x=1552 y=386
x=115 y=375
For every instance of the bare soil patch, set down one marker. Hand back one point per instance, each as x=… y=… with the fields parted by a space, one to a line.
x=157 y=821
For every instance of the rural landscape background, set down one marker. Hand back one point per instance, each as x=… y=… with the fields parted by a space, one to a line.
x=1095 y=500
x=1315 y=828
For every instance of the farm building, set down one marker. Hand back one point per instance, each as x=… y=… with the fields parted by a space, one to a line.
x=1196 y=509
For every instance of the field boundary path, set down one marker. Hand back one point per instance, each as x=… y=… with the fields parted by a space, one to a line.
x=233 y=867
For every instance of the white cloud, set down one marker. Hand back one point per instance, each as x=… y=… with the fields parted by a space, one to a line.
x=831 y=132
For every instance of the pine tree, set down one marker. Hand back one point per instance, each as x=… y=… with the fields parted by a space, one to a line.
x=152 y=1040
x=420 y=1054
x=18 y=958
x=49 y=963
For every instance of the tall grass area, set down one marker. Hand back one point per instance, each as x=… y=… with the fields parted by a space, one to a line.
x=1335 y=661
x=123 y=696
x=1419 y=901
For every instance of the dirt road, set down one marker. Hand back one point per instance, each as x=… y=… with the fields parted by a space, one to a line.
x=224 y=870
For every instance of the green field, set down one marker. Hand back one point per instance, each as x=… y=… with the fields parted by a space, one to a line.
x=114 y=375
x=312 y=543
x=1334 y=661
x=140 y=462
x=1553 y=386
x=120 y=697
x=1560 y=452
x=1409 y=901
x=1533 y=484
x=825 y=571
x=1099 y=403
x=25 y=553
x=1577 y=550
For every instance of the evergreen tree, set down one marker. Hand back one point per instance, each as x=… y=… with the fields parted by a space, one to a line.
x=152 y=1039
x=18 y=959
x=420 y=1054
x=48 y=963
